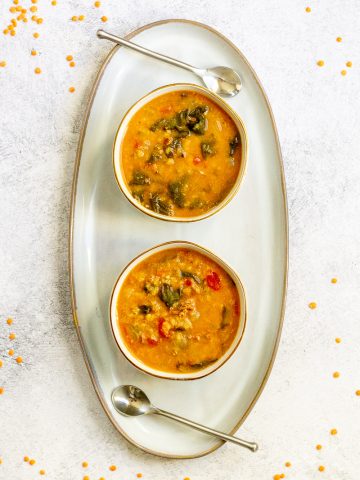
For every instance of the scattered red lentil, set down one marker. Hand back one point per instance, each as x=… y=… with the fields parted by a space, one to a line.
x=81 y=17
x=186 y=478
x=19 y=360
x=333 y=431
x=6 y=31
x=338 y=39
x=37 y=70
x=357 y=393
x=334 y=280
x=54 y=2
x=69 y=58
x=282 y=475
x=32 y=461
x=86 y=477
x=112 y=468
x=287 y=464
x=39 y=20
x=74 y=18
x=3 y=64
x=1 y=390
x=343 y=72
x=26 y=458
x=336 y=374
x=104 y=18
x=12 y=336
x=308 y=9
x=320 y=63
x=312 y=305
x=33 y=53
x=97 y=4
x=11 y=352
x=349 y=64
x=72 y=64
x=318 y=447
x=36 y=35
x=42 y=472
x=84 y=464
x=1 y=363
x=338 y=340
x=33 y=1
x=139 y=475
x=33 y=9
x=321 y=468
x=72 y=89
x=12 y=33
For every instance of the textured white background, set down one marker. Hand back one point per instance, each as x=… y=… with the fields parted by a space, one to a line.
x=49 y=410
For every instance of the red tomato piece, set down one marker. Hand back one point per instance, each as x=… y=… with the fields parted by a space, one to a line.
x=188 y=282
x=152 y=342
x=196 y=160
x=213 y=281
x=162 y=333
x=166 y=109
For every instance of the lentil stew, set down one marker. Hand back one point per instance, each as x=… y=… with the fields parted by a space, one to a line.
x=181 y=154
x=178 y=311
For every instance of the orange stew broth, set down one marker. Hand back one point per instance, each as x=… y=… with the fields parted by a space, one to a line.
x=178 y=311
x=181 y=154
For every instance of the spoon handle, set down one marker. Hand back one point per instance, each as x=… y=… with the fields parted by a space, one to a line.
x=121 y=41
x=229 y=438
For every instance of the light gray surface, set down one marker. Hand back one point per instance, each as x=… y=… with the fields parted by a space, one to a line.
x=49 y=410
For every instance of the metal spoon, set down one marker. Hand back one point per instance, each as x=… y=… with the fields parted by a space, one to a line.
x=131 y=401
x=221 y=80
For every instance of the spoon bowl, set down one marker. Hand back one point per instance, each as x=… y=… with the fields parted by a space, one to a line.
x=131 y=401
x=222 y=80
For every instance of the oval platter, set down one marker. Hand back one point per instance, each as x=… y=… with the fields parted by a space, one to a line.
x=106 y=232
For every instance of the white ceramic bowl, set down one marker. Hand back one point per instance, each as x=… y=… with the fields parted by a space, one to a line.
x=114 y=320
x=117 y=148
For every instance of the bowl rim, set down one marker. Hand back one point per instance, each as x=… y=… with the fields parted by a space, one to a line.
x=113 y=320
x=134 y=108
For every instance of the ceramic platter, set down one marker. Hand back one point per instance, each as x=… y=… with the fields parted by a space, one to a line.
x=107 y=232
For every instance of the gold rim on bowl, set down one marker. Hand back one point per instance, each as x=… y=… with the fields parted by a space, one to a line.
x=121 y=131
x=114 y=323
